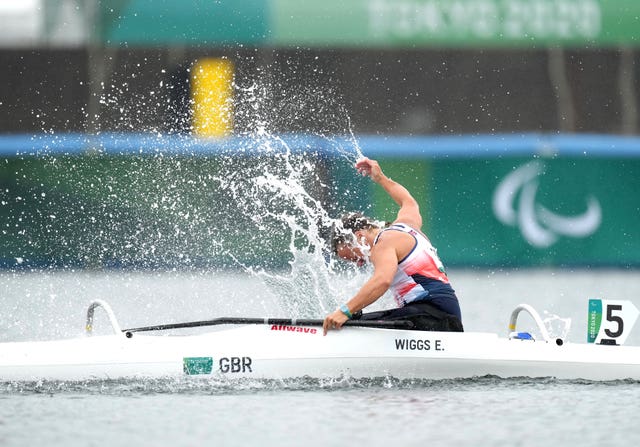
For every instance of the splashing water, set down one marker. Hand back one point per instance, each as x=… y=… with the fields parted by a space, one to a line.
x=285 y=200
x=264 y=206
x=557 y=327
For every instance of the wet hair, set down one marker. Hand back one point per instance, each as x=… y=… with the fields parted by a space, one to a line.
x=343 y=233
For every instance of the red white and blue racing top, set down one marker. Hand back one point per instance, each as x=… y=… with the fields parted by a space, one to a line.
x=421 y=272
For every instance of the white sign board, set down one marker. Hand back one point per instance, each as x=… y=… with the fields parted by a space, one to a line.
x=610 y=321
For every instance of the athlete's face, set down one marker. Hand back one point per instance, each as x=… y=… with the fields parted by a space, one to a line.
x=358 y=253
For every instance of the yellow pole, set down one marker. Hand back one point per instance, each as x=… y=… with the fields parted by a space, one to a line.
x=212 y=96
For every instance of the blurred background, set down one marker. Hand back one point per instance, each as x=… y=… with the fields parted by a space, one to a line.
x=196 y=134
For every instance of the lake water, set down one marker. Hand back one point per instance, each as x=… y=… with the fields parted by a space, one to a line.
x=383 y=411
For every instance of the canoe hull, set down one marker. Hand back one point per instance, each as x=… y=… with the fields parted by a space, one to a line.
x=274 y=352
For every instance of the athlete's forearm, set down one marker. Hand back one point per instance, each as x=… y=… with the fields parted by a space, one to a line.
x=396 y=191
x=369 y=293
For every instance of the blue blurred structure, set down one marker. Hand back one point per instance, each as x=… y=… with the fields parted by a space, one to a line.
x=463 y=146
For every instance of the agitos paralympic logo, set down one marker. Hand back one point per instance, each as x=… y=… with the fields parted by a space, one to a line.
x=514 y=204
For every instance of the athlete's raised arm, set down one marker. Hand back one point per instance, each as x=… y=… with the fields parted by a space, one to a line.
x=409 y=210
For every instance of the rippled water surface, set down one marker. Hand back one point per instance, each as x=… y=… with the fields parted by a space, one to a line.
x=485 y=411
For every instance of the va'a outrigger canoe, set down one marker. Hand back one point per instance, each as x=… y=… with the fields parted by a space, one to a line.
x=286 y=348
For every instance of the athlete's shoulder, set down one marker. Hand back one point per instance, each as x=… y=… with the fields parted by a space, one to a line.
x=396 y=236
x=403 y=226
x=415 y=232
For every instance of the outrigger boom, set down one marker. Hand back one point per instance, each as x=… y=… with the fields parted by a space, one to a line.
x=287 y=348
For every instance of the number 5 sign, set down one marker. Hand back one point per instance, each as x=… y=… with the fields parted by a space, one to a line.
x=610 y=321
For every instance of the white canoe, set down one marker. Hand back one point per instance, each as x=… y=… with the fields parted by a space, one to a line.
x=272 y=351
